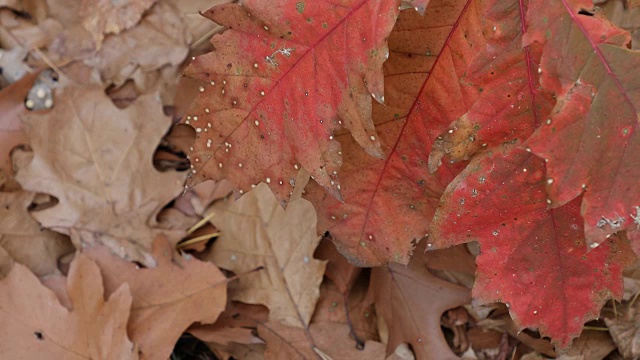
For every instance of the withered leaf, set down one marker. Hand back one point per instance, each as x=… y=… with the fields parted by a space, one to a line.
x=166 y=299
x=23 y=238
x=256 y=231
x=97 y=160
x=36 y=326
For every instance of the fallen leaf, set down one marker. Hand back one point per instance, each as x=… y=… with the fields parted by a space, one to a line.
x=264 y=110
x=257 y=232
x=25 y=240
x=586 y=64
x=11 y=107
x=511 y=104
x=592 y=344
x=626 y=334
x=284 y=342
x=354 y=309
x=525 y=245
x=339 y=270
x=236 y=324
x=411 y=301
x=103 y=17
x=167 y=299
x=36 y=326
x=388 y=202
x=96 y=159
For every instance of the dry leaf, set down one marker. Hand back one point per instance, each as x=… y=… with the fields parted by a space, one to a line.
x=625 y=332
x=330 y=339
x=97 y=160
x=102 y=17
x=11 y=107
x=342 y=273
x=360 y=316
x=23 y=238
x=235 y=325
x=411 y=301
x=591 y=345
x=256 y=231
x=36 y=326
x=167 y=298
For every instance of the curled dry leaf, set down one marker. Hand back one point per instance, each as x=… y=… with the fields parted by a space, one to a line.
x=167 y=299
x=25 y=240
x=256 y=231
x=97 y=160
x=282 y=79
x=36 y=326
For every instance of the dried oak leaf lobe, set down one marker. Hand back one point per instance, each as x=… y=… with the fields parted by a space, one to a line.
x=389 y=202
x=167 y=299
x=411 y=301
x=499 y=200
x=281 y=80
x=36 y=326
x=97 y=160
x=25 y=240
x=256 y=231
x=591 y=139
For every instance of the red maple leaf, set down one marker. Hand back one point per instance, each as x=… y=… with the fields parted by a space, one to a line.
x=282 y=79
x=591 y=139
x=499 y=200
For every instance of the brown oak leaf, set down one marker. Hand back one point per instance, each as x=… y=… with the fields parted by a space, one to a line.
x=167 y=298
x=24 y=240
x=36 y=326
x=411 y=301
x=97 y=160
x=256 y=231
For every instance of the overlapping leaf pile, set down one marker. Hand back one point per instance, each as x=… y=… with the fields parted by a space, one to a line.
x=483 y=82
x=508 y=123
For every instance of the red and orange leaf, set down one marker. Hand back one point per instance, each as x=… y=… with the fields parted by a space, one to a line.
x=499 y=200
x=591 y=139
x=512 y=103
x=389 y=202
x=282 y=79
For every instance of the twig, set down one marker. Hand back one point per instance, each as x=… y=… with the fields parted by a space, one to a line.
x=200 y=223
x=197 y=240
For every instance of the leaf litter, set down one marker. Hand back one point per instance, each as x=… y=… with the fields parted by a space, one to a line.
x=149 y=250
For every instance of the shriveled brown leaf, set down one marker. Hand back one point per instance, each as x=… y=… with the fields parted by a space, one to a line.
x=332 y=339
x=167 y=298
x=411 y=301
x=96 y=159
x=256 y=231
x=25 y=240
x=102 y=17
x=36 y=326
